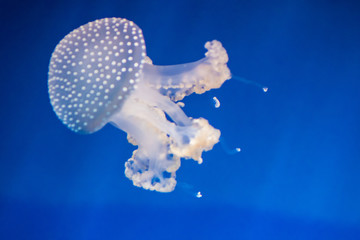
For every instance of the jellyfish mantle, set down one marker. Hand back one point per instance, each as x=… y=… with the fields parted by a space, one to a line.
x=99 y=73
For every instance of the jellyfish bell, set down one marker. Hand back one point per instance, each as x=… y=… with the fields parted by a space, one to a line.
x=93 y=70
x=99 y=73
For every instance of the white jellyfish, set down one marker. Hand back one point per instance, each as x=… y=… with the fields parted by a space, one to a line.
x=99 y=73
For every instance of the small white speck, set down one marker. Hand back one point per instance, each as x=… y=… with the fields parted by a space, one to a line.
x=217 y=102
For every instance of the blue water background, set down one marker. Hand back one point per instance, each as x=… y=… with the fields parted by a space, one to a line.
x=297 y=176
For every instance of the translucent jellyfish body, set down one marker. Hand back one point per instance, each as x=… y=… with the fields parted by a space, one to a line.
x=99 y=73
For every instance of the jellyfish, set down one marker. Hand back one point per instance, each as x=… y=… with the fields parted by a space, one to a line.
x=99 y=73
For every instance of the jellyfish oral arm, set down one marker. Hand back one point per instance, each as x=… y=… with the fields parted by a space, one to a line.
x=162 y=143
x=178 y=81
x=150 y=167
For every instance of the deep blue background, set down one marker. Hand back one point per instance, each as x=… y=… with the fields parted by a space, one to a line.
x=297 y=176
